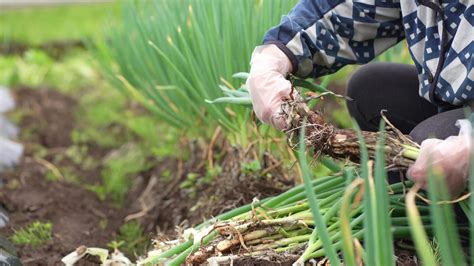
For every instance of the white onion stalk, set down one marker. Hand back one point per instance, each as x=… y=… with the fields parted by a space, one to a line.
x=73 y=257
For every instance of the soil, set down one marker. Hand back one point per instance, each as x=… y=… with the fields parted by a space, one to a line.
x=28 y=196
x=167 y=205
x=79 y=217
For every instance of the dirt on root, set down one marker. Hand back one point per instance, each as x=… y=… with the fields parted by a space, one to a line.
x=79 y=217
x=170 y=207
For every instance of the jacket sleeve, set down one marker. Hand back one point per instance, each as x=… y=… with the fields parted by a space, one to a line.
x=322 y=36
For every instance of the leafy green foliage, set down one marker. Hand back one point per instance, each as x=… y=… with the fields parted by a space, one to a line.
x=195 y=181
x=36 y=234
x=118 y=168
x=131 y=239
x=172 y=54
x=251 y=167
x=35 y=68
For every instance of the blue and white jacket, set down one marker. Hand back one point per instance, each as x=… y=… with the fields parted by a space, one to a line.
x=322 y=36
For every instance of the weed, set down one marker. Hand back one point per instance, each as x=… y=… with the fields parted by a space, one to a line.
x=118 y=167
x=52 y=176
x=190 y=181
x=166 y=175
x=36 y=234
x=115 y=245
x=103 y=223
x=251 y=167
x=211 y=174
x=131 y=239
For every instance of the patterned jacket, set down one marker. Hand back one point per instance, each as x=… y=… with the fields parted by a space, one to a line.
x=322 y=36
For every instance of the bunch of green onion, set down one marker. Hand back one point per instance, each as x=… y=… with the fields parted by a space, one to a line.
x=330 y=215
x=295 y=226
x=326 y=215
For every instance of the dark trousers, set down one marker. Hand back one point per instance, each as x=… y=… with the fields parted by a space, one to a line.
x=394 y=87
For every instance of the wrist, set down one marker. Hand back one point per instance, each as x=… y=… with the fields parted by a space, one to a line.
x=288 y=53
x=274 y=59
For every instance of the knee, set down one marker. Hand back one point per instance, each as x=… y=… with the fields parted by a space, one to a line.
x=360 y=89
x=359 y=84
x=440 y=126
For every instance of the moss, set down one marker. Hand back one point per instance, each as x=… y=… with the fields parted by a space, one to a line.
x=35 y=234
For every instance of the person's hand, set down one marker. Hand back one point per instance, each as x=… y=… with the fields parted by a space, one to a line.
x=267 y=84
x=450 y=156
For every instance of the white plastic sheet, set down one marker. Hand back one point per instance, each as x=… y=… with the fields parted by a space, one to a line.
x=7 y=103
x=7 y=128
x=10 y=151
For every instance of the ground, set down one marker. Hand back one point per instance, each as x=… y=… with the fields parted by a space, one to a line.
x=42 y=189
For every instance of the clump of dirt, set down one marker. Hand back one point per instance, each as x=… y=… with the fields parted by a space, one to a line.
x=165 y=204
x=325 y=138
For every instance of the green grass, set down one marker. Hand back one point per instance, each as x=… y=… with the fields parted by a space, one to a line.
x=36 y=234
x=171 y=56
x=131 y=239
x=38 y=25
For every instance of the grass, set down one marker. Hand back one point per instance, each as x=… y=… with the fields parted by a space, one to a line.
x=36 y=234
x=172 y=55
x=131 y=239
x=34 y=26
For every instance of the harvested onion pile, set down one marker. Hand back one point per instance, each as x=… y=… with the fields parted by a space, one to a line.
x=279 y=226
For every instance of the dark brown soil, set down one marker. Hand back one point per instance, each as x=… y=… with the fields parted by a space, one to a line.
x=76 y=213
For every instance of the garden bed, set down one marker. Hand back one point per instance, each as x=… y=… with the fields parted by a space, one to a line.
x=39 y=189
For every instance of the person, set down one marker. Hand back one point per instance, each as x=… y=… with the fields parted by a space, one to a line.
x=319 y=37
